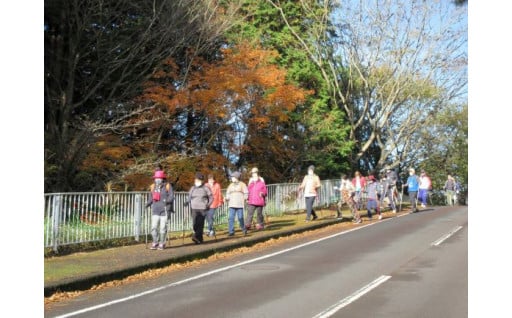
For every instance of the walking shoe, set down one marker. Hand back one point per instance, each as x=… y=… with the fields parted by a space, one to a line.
x=315 y=217
x=196 y=240
x=259 y=227
x=380 y=217
x=161 y=247
x=359 y=221
x=212 y=233
x=247 y=227
x=245 y=232
x=394 y=211
x=153 y=246
x=231 y=234
x=423 y=205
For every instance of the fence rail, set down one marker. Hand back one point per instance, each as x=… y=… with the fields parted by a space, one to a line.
x=75 y=218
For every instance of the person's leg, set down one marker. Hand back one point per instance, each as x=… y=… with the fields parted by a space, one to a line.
x=259 y=218
x=369 y=208
x=412 y=197
x=423 y=197
x=313 y=213
x=195 y=225
x=250 y=213
x=391 y=199
x=163 y=230
x=309 y=207
x=209 y=220
x=200 y=225
x=154 y=230
x=240 y=213
x=231 y=221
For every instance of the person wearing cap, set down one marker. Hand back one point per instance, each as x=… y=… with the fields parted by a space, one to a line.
x=372 y=189
x=412 y=188
x=161 y=198
x=256 y=200
x=425 y=185
x=310 y=185
x=218 y=200
x=236 y=195
x=200 y=198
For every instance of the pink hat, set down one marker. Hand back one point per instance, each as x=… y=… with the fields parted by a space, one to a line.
x=159 y=174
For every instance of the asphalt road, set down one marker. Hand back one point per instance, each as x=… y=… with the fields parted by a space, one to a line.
x=415 y=265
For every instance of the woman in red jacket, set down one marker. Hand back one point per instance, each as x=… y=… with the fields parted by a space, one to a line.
x=218 y=200
x=256 y=201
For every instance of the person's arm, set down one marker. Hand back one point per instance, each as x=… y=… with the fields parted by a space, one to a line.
x=246 y=191
x=303 y=184
x=150 y=200
x=264 y=190
x=210 y=196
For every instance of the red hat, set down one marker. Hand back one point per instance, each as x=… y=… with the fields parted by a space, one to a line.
x=159 y=174
x=371 y=177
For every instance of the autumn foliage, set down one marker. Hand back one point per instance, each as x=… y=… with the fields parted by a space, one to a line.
x=214 y=116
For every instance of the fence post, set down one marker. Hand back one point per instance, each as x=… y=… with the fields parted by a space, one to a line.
x=55 y=222
x=137 y=215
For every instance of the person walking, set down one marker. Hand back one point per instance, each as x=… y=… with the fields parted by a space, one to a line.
x=412 y=189
x=310 y=184
x=257 y=199
x=236 y=195
x=347 y=197
x=218 y=200
x=359 y=183
x=390 y=188
x=200 y=198
x=425 y=185
x=161 y=198
x=449 y=190
x=372 y=190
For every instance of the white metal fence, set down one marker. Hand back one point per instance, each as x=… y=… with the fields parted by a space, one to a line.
x=74 y=218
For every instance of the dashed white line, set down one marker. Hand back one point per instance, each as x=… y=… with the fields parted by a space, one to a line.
x=350 y=299
x=446 y=236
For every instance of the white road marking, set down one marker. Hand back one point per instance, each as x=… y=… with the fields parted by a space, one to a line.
x=446 y=236
x=350 y=299
x=223 y=269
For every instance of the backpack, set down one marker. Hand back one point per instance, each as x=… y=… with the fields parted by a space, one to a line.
x=167 y=187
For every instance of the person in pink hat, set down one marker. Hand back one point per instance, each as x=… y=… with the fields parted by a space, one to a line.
x=161 y=199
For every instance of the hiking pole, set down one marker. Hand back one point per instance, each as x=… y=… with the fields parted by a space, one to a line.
x=401 y=198
x=183 y=226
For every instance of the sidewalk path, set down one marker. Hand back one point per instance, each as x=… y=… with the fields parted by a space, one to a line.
x=80 y=271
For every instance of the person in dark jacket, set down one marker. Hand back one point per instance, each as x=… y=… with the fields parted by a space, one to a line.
x=161 y=198
x=200 y=198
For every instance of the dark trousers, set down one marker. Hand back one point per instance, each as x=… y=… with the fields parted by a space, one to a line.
x=250 y=212
x=413 y=196
x=309 y=208
x=198 y=223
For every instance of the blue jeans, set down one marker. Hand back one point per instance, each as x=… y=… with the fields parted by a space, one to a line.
x=209 y=219
x=231 y=219
x=422 y=196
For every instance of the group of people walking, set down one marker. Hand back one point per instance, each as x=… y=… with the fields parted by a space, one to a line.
x=204 y=198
